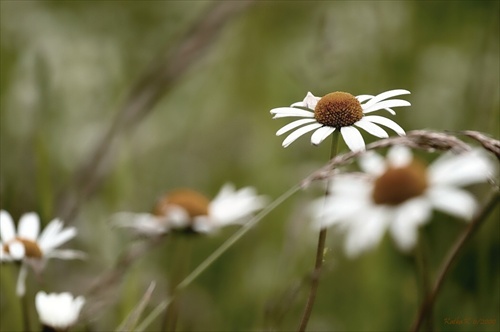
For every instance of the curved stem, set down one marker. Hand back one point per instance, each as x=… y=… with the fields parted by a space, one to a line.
x=318 y=265
x=428 y=303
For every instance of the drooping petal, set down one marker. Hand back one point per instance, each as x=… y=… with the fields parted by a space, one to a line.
x=372 y=128
x=385 y=122
x=386 y=104
x=407 y=218
x=21 y=280
x=399 y=156
x=372 y=163
x=321 y=134
x=461 y=170
x=299 y=132
x=366 y=231
x=283 y=112
x=454 y=201
x=292 y=125
x=353 y=139
x=7 y=229
x=385 y=95
x=29 y=226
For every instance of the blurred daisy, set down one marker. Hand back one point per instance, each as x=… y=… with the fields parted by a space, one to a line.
x=58 y=312
x=30 y=247
x=188 y=210
x=398 y=193
x=340 y=111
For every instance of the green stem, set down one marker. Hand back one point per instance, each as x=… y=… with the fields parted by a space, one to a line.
x=423 y=277
x=25 y=312
x=428 y=303
x=318 y=265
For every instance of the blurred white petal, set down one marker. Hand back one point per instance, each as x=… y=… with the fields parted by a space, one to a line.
x=454 y=201
x=7 y=228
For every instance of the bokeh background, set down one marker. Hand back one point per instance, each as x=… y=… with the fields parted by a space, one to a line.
x=105 y=105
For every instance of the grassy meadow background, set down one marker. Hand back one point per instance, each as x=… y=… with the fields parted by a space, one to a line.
x=105 y=105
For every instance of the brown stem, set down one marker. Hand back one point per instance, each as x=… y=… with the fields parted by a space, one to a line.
x=428 y=303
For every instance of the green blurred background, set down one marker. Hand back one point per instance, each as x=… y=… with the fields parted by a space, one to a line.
x=73 y=73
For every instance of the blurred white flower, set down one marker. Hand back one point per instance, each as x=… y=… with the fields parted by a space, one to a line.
x=58 y=311
x=342 y=111
x=30 y=247
x=398 y=193
x=188 y=210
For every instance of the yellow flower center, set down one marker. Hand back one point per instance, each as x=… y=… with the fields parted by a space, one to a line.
x=400 y=184
x=338 y=109
x=31 y=249
x=194 y=203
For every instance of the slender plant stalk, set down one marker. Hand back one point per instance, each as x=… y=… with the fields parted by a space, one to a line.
x=235 y=237
x=318 y=265
x=422 y=270
x=25 y=311
x=182 y=256
x=428 y=303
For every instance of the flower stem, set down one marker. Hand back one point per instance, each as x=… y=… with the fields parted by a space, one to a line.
x=428 y=303
x=25 y=312
x=318 y=265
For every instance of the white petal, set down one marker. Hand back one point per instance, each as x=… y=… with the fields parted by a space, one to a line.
x=66 y=254
x=399 y=156
x=203 y=224
x=353 y=138
x=234 y=208
x=177 y=217
x=457 y=202
x=7 y=229
x=372 y=128
x=309 y=101
x=16 y=250
x=142 y=223
x=50 y=231
x=29 y=226
x=321 y=134
x=461 y=170
x=334 y=210
x=292 y=125
x=386 y=104
x=362 y=98
x=21 y=280
x=407 y=218
x=283 y=112
x=385 y=95
x=299 y=132
x=385 y=122
x=55 y=239
x=372 y=163
x=366 y=232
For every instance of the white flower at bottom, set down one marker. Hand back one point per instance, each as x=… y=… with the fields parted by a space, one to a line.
x=59 y=311
x=343 y=112
x=32 y=248
x=399 y=194
x=190 y=211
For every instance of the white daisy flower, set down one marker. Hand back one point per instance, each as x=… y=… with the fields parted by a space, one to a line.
x=398 y=193
x=188 y=210
x=58 y=311
x=30 y=247
x=342 y=111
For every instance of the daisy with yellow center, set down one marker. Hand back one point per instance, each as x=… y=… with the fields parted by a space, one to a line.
x=58 y=311
x=31 y=248
x=188 y=210
x=399 y=194
x=340 y=111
